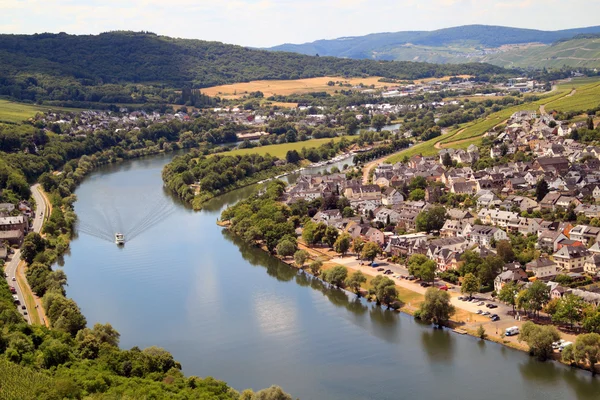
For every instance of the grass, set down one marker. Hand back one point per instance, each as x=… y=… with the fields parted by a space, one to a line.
x=28 y=297
x=280 y=150
x=585 y=97
x=18 y=112
x=473 y=130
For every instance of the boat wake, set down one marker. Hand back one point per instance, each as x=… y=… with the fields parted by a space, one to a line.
x=108 y=221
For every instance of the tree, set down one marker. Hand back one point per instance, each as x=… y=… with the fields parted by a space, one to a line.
x=586 y=350
x=481 y=332
x=370 y=251
x=539 y=338
x=431 y=220
x=378 y=122
x=355 y=280
x=569 y=309
x=285 y=248
x=348 y=212
x=331 y=235
x=336 y=275
x=447 y=160
x=292 y=156
x=308 y=233
x=342 y=244
x=541 y=189
x=508 y=294
x=357 y=245
x=416 y=195
x=505 y=251
x=300 y=258
x=384 y=290
x=414 y=264
x=436 y=307
x=32 y=245
x=272 y=393
x=538 y=295
x=315 y=267
x=470 y=284
x=427 y=271
x=591 y=322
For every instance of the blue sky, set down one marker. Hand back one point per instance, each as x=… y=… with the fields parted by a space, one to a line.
x=270 y=22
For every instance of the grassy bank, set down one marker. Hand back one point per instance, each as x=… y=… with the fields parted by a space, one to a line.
x=18 y=112
x=280 y=150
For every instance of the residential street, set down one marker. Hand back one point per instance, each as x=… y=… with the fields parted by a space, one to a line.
x=14 y=259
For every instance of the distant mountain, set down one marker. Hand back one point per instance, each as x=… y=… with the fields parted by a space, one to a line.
x=582 y=51
x=450 y=45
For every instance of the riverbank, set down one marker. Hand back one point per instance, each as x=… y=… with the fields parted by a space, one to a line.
x=464 y=322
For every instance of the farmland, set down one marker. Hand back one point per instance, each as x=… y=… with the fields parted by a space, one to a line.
x=297 y=86
x=18 y=112
x=280 y=150
x=584 y=97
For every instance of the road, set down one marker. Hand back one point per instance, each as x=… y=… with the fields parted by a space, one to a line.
x=11 y=266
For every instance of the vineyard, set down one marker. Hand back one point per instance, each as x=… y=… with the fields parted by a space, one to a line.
x=582 y=99
x=21 y=383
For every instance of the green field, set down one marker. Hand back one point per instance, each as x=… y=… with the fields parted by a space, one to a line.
x=19 y=112
x=280 y=150
x=474 y=130
x=586 y=96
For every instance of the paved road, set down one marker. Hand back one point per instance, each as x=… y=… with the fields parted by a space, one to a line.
x=11 y=266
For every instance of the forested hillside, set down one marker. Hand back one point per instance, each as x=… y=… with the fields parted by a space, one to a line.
x=95 y=68
x=450 y=45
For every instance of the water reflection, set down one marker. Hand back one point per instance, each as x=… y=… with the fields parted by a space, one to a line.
x=438 y=345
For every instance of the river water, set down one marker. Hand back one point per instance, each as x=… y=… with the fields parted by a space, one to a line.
x=230 y=311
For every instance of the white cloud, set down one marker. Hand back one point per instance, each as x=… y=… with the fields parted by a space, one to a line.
x=270 y=22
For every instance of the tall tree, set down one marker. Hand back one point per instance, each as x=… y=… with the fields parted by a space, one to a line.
x=470 y=284
x=355 y=280
x=508 y=294
x=447 y=160
x=342 y=244
x=370 y=251
x=436 y=307
x=541 y=189
x=586 y=350
x=569 y=309
x=539 y=338
x=300 y=258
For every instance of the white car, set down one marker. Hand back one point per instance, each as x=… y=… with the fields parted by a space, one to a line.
x=13 y=279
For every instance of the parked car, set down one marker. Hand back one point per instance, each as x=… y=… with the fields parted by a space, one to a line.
x=388 y=272
x=494 y=315
x=13 y=290
x=374 y=264
x=425 y=284
x=481 y=303
x=492 y=306
x=411 y=278
x=495 y=318
x=513 y=330
x=23 y=307
x=380 y=269
x=444 y=288
x=13 y=279
x=460 y=298
x=485 y=313
x=478 y=312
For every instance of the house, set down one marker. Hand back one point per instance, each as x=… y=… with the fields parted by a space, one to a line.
x=592 y=264
x=548 y=240
x=507 y=276
x=453 y=227
x=497 y=217
x=327 y=215
x=584 y=233
x=542 y=268
x=571 y=258
x=551 y=164
x=374 y=235
x=408 y=219
x=14 y=237
x=392 y=197
x=549 y=201
x=464 y=187
x=18 y=223
x=483 y=235
x=385 y=215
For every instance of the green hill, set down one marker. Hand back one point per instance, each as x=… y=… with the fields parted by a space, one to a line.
x=578 y=52
x=457 y=44
x=70 y=67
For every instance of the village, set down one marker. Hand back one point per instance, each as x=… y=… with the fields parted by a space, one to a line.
x=539 y=207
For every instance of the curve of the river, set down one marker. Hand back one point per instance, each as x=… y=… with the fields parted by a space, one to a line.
x=230 y=311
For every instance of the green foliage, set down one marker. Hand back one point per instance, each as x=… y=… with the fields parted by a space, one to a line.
x=539 y=338
x=436 y=307
x=336 y=275
x=300 y=257
x=569 y=309
x=342 y=243
x=384 y=290
x=481 y=332
x=508 y=294
x=470 y=284
x=355 y=280
x=586 y=350
x=286 y=248
x=315 y=267
x=369 y=251
x=431 y=220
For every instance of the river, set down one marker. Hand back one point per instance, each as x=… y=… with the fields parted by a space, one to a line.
x=230 y=311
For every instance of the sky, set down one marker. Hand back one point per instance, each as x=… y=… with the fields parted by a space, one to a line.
x=264 y=23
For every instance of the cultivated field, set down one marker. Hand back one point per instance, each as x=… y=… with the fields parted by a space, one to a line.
x=584 y=97
x=287 y=87
x=280 y=150
x=18 y=112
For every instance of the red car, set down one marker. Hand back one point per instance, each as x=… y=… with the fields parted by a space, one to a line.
x=13 y=290
x=444 y=287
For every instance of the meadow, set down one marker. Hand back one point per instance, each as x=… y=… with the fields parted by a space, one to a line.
x=280 y=150
x=17 y=112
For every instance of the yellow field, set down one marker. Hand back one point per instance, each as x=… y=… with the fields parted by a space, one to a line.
x=444 y=78
x=287 y=87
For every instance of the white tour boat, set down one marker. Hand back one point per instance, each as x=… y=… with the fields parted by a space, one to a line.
x=119 y=239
